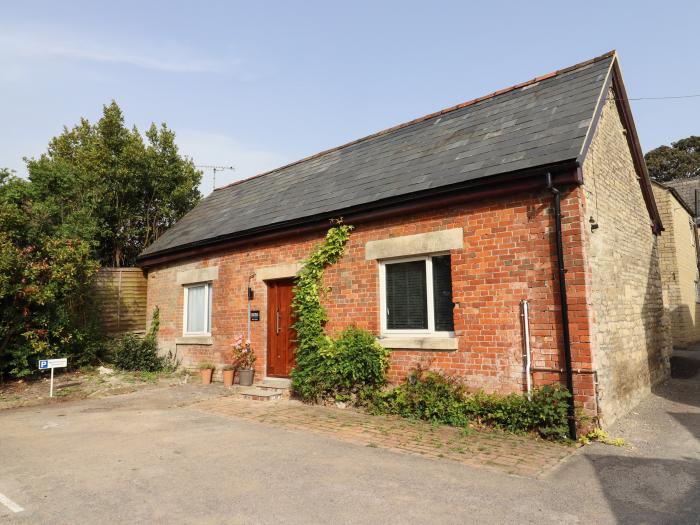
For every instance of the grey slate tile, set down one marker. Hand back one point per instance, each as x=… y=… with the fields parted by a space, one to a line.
x=539 y=124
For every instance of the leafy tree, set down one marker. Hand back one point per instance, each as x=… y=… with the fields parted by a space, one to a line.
x=106 y=183
x=44 y=283
x=99 y=195
x=679 y=161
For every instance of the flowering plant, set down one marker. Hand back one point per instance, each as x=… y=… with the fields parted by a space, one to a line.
x=243 y=356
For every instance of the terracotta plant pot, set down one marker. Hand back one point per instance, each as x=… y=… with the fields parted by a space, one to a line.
x=228 y=377
x=206 y=376
x=245 y=376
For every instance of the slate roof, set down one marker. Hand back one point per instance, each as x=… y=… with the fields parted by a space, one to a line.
x=541 y=122
x=686 y=188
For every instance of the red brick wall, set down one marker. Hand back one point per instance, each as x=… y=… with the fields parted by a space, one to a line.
x=509 y=255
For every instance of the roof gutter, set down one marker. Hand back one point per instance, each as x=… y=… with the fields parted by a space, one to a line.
x=566 y=173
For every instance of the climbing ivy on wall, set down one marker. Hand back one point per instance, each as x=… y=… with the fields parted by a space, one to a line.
x=346 y=368
x=310 y=314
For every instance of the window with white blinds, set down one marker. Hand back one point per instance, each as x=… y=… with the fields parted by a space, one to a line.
x=416 y=295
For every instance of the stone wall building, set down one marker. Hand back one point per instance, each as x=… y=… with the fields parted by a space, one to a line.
x=687 y=190
x=678 y=255
x=459 y=217
x=630 y=340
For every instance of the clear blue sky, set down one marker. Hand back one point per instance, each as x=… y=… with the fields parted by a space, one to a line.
x=258 y=84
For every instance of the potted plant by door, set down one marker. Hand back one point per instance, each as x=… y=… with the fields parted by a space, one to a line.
x=227 y=371
x=206 y=370
x=243 y=359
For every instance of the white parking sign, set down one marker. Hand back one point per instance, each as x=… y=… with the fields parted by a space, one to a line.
x=50 y=364
x=45 y=364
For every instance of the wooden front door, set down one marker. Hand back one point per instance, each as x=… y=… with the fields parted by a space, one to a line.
x=280 y=334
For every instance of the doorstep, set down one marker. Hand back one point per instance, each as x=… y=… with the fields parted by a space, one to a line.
x=276 y=382
x=257 y=393
x=271 y=389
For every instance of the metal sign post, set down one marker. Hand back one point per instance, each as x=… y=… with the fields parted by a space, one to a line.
x=50 y=364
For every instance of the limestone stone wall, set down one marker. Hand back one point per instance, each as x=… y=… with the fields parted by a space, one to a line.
x=679 y=269
x=630 y=338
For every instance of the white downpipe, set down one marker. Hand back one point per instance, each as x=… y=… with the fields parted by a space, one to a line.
x=528 y=360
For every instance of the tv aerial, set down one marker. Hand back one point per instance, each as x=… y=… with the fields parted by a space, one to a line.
x=214 y=169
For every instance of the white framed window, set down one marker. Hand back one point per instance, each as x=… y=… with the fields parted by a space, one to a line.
x=197 y=309
x=416 y=296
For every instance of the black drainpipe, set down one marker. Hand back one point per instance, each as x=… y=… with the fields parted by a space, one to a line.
x=564 y=305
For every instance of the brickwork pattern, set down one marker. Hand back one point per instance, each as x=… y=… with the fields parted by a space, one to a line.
x=617 y=321
x=494 y=450
x=630 y=340
x=679 y=269
x=508 y=256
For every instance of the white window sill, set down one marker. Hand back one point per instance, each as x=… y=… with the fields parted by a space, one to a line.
x=420 y=343
x=194 y=340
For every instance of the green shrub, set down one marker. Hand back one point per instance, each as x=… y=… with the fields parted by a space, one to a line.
x=511 y=412
x=137 y=353
x=46 y=308
x=327 y=368
x=357 y=360
x=342 y=368
x=431 y=396
x=550 y=406
x=132 y=352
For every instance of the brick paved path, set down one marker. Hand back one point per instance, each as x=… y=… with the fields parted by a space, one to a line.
x=519 y=455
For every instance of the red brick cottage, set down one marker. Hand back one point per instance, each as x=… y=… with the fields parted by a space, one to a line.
x=459 y=217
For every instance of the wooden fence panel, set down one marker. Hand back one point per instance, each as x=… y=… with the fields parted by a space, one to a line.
x=120 y=294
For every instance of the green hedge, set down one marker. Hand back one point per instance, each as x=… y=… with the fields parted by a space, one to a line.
x=431 y=396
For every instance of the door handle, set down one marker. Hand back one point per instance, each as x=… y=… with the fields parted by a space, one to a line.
x=277 y=321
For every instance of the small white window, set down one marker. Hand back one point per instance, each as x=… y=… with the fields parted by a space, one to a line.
x=416 y=296
x=197 y=311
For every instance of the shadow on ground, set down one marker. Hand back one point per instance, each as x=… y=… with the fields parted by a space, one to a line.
x=656 y=477
x=650 y=490
x=685 y=364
